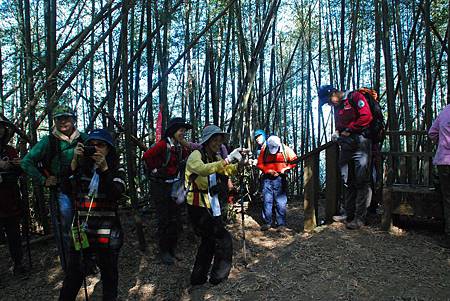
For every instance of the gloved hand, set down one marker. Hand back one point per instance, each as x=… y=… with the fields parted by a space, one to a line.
x=335 y=136
x=253 y=162
x=234 y=156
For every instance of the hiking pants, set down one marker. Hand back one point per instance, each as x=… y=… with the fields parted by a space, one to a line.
x=355 y=165
x=444 y=178
x=273 y=191
x=12 y=229
x=168 y=216
x=107 y=261
x=215 y=243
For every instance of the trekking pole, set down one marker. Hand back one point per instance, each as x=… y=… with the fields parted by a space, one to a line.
x=82 y=259
x=57 y=216
x=27 y=237
x=241 y=192
x=25 y=206
x=54 y=210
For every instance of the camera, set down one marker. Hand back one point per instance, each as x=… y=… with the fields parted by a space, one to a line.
x=89 y=150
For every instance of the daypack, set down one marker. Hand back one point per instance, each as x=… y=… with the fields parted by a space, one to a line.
x=377 y=127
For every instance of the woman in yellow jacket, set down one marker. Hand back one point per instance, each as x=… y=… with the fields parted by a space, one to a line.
x=203 y=179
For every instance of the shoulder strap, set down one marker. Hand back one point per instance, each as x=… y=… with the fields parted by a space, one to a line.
x=265 y=155
x=168 y=154
x=53 y=150
x=284 y=153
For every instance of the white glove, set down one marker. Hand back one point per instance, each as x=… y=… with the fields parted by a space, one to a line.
x=234 y=156
x=253 y=162
x=335 y=136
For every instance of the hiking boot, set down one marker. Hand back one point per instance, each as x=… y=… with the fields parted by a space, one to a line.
x=167 y=259
x=355 y=224
x=265 y=227
x=445 y=242
x=215 y=281
x=340 y=218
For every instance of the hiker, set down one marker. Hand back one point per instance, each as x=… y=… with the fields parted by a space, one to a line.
x=204 y=180
x=353 y=117
x=47 y=164
x=165 y=161
x=260 y=138
x=10 y=209
x=440 y=134
x=97 y=183
x=274 y=162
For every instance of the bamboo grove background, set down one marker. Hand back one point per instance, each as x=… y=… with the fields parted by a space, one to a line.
x=239 y=64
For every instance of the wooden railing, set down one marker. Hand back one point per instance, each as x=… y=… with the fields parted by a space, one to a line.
x=312 y=184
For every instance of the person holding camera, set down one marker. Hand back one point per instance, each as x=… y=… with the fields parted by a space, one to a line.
x=165 y=162
x=97 y=183
x=203 y=178
x=274 y=162
x=47 y=163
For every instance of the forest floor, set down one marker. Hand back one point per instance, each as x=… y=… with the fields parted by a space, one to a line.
x=332 y=263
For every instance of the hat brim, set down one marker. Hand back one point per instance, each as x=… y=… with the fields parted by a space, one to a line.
x=205 y=139
x=95 y=137
x=63 y=114
x=174 y=127
x=273 y=149
x=323 y=100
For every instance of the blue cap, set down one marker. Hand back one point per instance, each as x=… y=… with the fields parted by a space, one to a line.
x=260 y=132
x=102 y=135
x=324 y=93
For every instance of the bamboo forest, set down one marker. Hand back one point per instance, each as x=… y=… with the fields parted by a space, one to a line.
x=224 y=150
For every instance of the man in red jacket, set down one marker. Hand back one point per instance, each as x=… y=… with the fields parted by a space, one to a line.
x=274 y=162
x=353 y=116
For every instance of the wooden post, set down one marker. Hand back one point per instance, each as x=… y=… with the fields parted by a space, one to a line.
x=311 y=188
x=333 y=181
x=386 y=219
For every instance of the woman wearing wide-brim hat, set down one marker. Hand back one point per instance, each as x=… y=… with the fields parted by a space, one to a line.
x=165 y=162
x=201 y=177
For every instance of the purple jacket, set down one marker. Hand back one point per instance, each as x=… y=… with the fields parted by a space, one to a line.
x=440 y=133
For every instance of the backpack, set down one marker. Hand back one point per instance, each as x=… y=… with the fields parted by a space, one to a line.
x=377 y=127
x=161 y=170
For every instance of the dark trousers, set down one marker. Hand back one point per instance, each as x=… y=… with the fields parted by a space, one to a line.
x=11 y=226
x=444 y=178
x=107 y=261
x=355 y=162
x=168 y=216
x=215 y=243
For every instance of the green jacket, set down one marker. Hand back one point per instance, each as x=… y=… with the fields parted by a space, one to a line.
x=58 y=164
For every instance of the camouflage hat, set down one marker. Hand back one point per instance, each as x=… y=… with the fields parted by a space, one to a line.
x=63 y=110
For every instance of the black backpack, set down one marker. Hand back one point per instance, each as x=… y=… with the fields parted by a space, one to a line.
x=377 y=127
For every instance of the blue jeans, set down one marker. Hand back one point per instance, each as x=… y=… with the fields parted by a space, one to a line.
x=273 y=190
x=62 y=225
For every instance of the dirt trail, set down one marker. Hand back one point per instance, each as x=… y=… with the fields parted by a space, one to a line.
x=331 y=264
